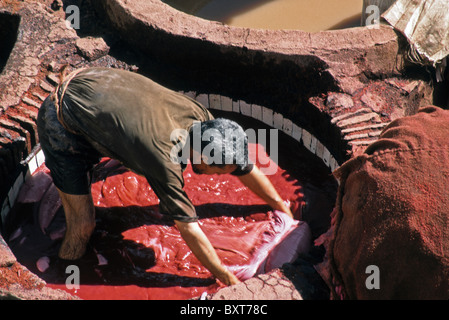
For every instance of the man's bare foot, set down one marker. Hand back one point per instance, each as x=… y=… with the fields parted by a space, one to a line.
x=75 y=242
x=80 y=221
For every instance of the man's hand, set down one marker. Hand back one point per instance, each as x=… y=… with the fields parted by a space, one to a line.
x=258 y=183
x=204 y=251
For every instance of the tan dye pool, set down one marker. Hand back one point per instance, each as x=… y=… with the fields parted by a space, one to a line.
x=307 y=15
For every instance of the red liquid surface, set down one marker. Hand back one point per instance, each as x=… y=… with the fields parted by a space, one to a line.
x=135 y=254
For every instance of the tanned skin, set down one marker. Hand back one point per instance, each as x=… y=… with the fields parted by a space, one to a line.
x=80 y=217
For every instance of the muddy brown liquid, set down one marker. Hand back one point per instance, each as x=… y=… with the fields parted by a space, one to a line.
x=307 y=15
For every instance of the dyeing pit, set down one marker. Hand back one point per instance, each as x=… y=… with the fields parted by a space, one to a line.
x=314 y=80
x=135 y=254
x=276 y=14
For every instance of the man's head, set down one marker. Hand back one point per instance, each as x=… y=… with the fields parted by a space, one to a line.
x=218 y=146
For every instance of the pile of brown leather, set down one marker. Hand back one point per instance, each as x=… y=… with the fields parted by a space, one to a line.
x=392 y=213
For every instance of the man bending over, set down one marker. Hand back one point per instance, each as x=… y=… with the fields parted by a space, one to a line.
x=102 y=112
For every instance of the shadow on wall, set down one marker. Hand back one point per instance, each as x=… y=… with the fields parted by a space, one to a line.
x=215 y=10
x=9 y=26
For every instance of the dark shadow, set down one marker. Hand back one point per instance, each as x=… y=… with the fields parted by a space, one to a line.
x=441 y=92
x=116 y=220
x=351 y=22
x=304 y=276
x=216 y=10
x=127 y=264
x=188 y=6
x=127 y=261
x=107 y=168
x=9 y=27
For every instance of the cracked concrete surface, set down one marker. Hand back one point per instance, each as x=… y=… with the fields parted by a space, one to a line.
x=270 y=286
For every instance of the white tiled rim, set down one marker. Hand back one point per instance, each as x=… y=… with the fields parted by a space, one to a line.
x=210 y=101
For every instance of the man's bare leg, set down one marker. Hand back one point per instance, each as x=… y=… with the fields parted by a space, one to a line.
x=80 y=220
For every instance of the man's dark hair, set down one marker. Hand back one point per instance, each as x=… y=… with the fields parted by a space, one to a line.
x=223 y=140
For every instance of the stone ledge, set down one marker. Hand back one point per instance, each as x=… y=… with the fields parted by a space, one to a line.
x=271 y=286
x=7 y=258
x=24 y=62
x=146 y=23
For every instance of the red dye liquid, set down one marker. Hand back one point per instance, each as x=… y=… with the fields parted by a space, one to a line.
x=135 y=254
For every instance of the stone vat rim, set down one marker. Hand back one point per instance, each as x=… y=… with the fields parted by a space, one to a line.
x=163 y=17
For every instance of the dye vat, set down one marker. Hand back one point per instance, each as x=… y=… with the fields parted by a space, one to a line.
x=136 y=254
x=306 y=15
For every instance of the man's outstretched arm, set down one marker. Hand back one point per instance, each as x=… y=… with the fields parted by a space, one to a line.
x=201 y=247
x=258 y=183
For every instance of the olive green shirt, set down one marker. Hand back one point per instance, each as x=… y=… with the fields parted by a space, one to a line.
x=129 y=117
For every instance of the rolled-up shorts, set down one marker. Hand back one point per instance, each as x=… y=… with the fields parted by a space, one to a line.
x=69 y=157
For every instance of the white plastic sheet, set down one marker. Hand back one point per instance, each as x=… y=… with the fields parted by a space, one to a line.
x=425 y=23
